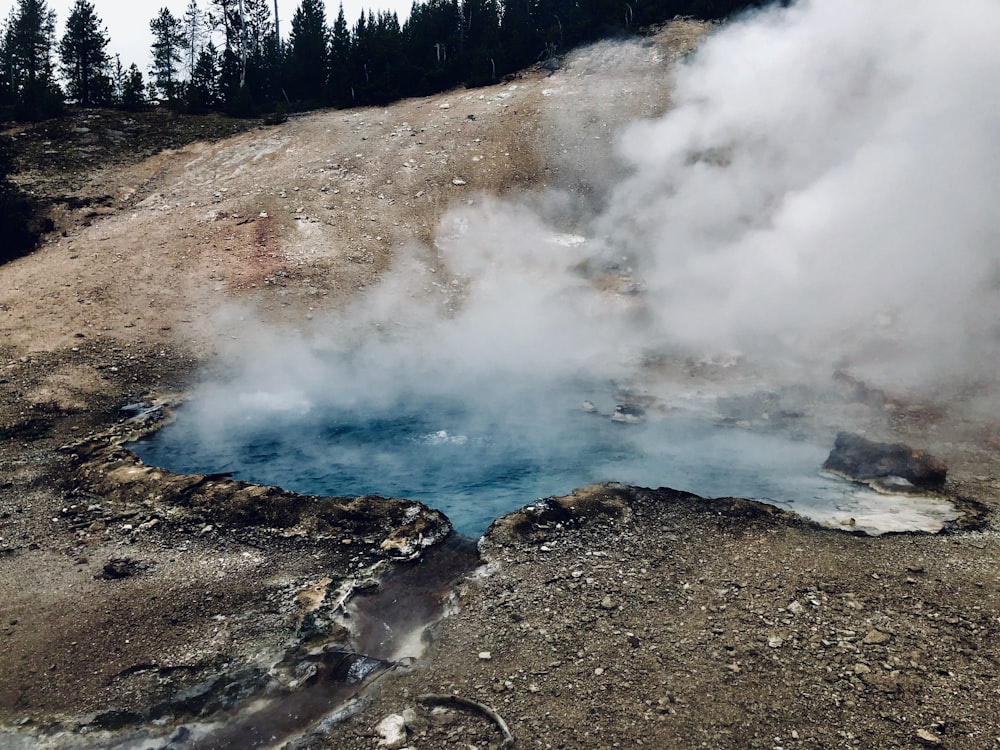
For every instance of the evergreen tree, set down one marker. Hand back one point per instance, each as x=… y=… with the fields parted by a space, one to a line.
x=339 y=67
x=227 y=17
x=262 y=51
x=481 y=41
x=29 y=40
x=194 y=23
x=132 y=94
x=7 y=97
x=203 y=89
x=85 y=64
x=305 y=65
x=432 y=39
x=521 y=46
x=169 y=41
x=378 y=51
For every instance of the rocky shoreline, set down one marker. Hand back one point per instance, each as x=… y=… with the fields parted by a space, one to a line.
x=613 y=612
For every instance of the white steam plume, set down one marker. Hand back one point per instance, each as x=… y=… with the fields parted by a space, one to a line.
x=825 y=189
x=823 y=193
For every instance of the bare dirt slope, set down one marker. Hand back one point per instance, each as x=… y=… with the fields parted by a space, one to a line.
x=660 y=623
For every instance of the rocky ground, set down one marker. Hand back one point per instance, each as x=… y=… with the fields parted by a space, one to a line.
x=138 y=604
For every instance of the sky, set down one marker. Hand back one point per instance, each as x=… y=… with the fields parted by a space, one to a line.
x=127 y=21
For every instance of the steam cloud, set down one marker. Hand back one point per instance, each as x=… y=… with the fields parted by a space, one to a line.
x=824 y=189
x=821 y=194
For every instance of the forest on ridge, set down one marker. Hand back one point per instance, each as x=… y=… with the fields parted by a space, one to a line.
x=230 y=56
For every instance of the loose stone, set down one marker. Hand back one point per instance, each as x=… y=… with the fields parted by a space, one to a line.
x=876 y=638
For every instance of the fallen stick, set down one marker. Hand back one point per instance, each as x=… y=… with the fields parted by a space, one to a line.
x=458 y=700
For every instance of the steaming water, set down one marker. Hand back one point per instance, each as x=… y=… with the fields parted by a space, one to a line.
x=475 y=462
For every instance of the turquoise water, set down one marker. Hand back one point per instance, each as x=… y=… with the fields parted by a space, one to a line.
x=477 y=461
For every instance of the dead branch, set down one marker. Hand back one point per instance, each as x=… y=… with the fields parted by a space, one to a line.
x=489 y=713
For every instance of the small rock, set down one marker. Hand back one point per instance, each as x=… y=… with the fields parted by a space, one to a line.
x=458 y=181
x=775 y=641
x=119 y=567
x=876 y=638
x=392 y=730
x=608 y=603
x=414 y=721
x=795 y=607
x=485 y=655
x=929 y=738
x=629 y=413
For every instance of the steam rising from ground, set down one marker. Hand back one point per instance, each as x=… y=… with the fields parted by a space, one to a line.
x=825 y=189
x=822 y=194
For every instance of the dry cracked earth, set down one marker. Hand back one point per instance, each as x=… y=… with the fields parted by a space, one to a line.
x=144 y=609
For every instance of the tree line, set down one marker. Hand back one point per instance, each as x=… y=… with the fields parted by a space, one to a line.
x=229 y=55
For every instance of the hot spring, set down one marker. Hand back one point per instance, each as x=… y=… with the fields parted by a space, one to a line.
x=478 y=459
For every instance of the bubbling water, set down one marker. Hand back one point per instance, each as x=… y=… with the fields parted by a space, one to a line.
x=476 y=461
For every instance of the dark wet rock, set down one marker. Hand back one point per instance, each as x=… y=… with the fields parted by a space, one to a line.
x=181 y=735
x=121 y=567
x=115 y=719
x=629 y=412
x=320 y=624
x=615 y=503
x=216 y=694
x=890 y=466
x=539 y=520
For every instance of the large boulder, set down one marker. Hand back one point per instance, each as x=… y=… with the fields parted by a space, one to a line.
x=885 y=465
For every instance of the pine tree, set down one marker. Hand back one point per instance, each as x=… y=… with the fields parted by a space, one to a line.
x=521 y=46
x=431 y=37
x=29 y=40
x=203 y=90
x=85 y=64
x=307 y=47
x=339 y=66
x=194 y=23
x=481 y=34
x=7 y=93
x=377 y=59
x=168 y=42
x=132 y=94
x=262 y=50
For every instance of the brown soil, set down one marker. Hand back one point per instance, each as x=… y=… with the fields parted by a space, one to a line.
x=653 y=619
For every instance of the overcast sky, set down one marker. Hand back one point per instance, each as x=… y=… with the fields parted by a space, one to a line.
x=127 y=21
